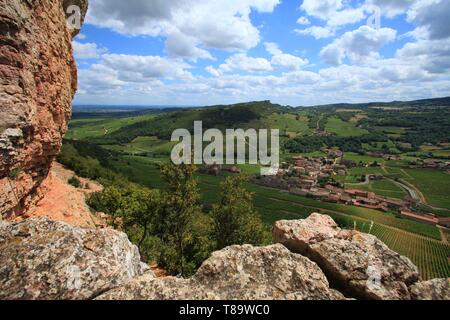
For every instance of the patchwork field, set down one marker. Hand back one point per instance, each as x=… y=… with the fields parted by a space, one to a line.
x=137 y=145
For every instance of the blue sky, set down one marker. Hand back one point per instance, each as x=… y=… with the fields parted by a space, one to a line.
x=205 y=52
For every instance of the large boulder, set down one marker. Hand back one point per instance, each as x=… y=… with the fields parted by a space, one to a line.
x=436 y=289
x=38 y=79
x=359 y=265
x=237 y=272
x=43 y=259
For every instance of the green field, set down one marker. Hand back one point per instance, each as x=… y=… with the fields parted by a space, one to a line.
x=144 y=145
x=362 y=158
x=344 y=129
x=287 y=122
x=434 y=184
x=91 y=128
x=145 y=171
x=384 y=188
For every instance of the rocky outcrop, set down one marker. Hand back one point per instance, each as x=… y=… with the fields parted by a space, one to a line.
x=38 y=80
x=43 y=259
x=357 y=264
x=436 y=289
x=238 y=272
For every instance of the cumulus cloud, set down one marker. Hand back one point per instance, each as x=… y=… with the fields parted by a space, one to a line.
x=334 y=12
x=204 y=23
x=431 y=55
x=138 y=68
x=316 y=32
x=356 y=72
x=432 y=16
x=87 y=50
x=357 y=45
x=391 y=8
x=284 y=60
x=303 y=21
x=321 y=9
x=180 y=45
x=242 y=62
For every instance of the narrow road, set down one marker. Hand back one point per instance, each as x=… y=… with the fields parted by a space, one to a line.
x=443 y=235
x=365 y=182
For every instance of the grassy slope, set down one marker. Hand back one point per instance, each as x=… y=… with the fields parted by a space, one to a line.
x=344 y=129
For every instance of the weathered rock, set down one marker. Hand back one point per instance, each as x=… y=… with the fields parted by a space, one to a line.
x=359 y=265
x=63 y=202
x=436 y=289
x=237 y=272
x=38 y=79
x=298 y=235
x=42 y=259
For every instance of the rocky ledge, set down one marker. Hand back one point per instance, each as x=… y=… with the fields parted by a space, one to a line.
x=314 y=260
x=44 y=259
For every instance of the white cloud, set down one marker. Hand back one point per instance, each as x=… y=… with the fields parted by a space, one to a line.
x=431 y=55
x=334 y=12
x=392 y=8
x=357 y=71
x=323 y=9
x=432 y=16
x=303 y=21
x=284 y=60
x=213 y=71
x=138 y=68
x=241 y=61
x=205 y=23
x=180 y=45
x=80 y=36
x=87 y=50
x=358 y=45
x=316 y=32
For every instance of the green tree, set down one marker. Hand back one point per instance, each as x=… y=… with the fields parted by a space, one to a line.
x=140 y=208
x=236 y=222
x=109 y=201
x=181 y=226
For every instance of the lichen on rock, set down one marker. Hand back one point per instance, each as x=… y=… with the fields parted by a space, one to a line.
x=42 y=259
x=358 y=264
x=238 y=272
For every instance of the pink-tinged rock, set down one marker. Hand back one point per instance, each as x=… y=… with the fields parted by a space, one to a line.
x=42 y=259
x=436 y=289
x=357 y=264
x=238 y=272
x=298 y=235
x=38 y=79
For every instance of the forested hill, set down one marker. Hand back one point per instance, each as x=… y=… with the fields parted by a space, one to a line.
x=423 y=103
x=164 y=123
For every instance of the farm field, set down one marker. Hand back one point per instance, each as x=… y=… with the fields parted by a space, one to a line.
x=144 y=145
x=435 y=185
x=383 y=188
x=145 y=171
x=344 y=129
x=90 y=128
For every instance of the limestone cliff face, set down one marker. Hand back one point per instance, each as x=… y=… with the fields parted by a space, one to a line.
x=38 y=80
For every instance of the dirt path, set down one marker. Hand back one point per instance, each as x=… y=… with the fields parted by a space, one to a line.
x=64 y=202
x=443 y=235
